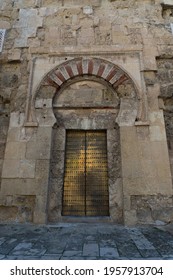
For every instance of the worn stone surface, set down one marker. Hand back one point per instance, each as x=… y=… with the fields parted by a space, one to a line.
x=86 y=65
x=85 y=241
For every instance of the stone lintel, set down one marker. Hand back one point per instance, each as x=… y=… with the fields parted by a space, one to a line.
x=30 y=124
x=140 y=123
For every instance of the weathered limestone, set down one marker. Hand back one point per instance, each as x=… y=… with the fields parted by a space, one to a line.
x=88 y=65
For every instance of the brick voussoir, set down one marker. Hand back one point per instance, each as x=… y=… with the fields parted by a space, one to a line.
x=122 y=79
x=60 y=75
x=101 y=69
x=111 y=74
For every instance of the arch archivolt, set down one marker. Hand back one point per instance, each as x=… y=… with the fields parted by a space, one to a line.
x=91 y=69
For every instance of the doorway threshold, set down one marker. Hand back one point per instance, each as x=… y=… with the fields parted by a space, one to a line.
x=91 y=220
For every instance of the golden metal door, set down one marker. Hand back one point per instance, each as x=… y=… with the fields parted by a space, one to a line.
x=86 y=174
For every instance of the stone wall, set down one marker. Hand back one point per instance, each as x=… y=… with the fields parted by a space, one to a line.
x=164 y=76
x=123 y=49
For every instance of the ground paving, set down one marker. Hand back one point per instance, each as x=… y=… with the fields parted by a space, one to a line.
x=84 y=241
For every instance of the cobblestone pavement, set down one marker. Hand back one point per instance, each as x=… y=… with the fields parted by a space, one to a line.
x=85 y=242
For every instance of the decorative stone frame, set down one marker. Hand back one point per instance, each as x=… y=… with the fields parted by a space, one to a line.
x=39 y=111
x=105 y=70
x=58 y=154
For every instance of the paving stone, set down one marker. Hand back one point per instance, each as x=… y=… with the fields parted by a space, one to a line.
x=91 y=249
x=109 y=252
x=55 y=247
x=51 y=257
x=54 y=251
x=127 y=249
x=27 y=249
x=2 y=240
x=140 y=240
x=123 y=243
x=2 y=257
x=148 y=253
x=73 y=258
x=91 y=238
x=72 y=253
x=8 y=245
x=160 y=243
x=9 y=257
x=23 y=246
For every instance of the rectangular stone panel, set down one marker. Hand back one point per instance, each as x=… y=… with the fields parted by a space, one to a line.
x=39 y=151
x=15 y=150
x=21 y=186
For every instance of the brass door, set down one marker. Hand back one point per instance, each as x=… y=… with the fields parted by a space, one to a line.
x=86 y=174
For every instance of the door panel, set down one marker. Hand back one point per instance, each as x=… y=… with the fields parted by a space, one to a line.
x=86 y=174
x=74 y=179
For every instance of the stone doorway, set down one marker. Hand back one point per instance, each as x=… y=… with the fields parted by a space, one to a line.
x=86 y=105
x=85 y=191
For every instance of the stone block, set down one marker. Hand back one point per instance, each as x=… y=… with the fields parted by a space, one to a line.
x=163 y=168
x=15 y=150
x=13 y=134
x=2 y=150
x=107 y=252
x=56 y=169
x=152 y=93
x=130 y=218
x=45 y=117
x=115 y=191
x=43 y=103
x=40 y=215
x=147 y=186
x=8 y=214
x=156 y=118
x=4 y=24
x=127 y=202
x=29 y=21
x=133 y=186
x=57 y=156
x=11 y=168
x=14 y=55
x=20 y=186
x=42 y=169
x=164 y=214
x=87 y=10
x=145 y=150
x=158 y=185
x=1 y=164
x=16 y=119
x=128 y=153
x=150 y=53
x=144 y=215
x=39 y=151
x=157 y=133
x=91 y=250
x=142 y=133
x=86 y=37
x=113 y=138
x=149 y=168
x=128 y=112
x=150 y=78
x=159 y=151
x=3 y=132
x=46 y=92
x=27 y=168
x=58 y=139
x=128 y=134
x=132 y=169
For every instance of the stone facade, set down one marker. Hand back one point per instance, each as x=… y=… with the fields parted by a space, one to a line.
x=87 y=65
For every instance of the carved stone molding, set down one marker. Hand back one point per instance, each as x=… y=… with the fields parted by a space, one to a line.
x=108 y=72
